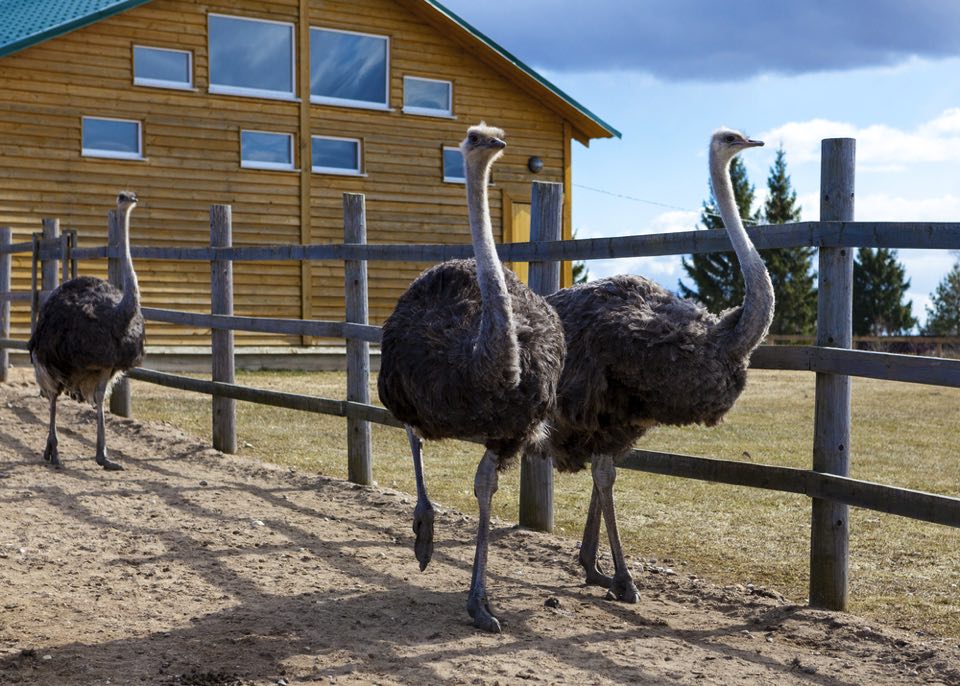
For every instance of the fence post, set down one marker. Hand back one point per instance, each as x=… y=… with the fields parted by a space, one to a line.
x=359 y=458
x=536 y=473
x=48 y=267
x=6 y=262
x=829 y=530
x=121 y=403
x=221 y=340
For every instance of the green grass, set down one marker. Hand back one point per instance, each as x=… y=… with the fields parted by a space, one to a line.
x=902 y=572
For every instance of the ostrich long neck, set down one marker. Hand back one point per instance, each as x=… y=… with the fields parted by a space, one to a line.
x=496 y=351
x=756 y=313
x=130 y=302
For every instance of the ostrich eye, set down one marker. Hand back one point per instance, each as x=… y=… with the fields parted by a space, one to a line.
x=729 y=138
x=473 y=138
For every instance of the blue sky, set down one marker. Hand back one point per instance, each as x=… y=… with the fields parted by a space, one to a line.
x=667 y=73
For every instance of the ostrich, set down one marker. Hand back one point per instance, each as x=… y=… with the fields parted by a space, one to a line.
x=471 y=353
x=88 y=332
x=638 y=356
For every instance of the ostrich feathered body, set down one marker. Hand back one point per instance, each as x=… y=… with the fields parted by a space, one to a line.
x=83 y=337
x=430 y=377
x=637 y=356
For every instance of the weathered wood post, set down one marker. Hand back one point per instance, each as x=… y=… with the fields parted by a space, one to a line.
x=6 y=271
x=221 y=340
x=359 y=458
x=121 y=403
x=829 y=533
x=536 y=473
x=48 y=266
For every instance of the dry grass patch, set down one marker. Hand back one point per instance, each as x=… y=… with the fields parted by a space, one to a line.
x=903 y=572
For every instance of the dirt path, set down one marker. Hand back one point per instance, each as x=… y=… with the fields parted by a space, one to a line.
x=198 y=569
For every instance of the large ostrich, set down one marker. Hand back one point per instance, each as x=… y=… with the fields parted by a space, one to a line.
x=638 y=356
x=471 y=353
x=88 y=332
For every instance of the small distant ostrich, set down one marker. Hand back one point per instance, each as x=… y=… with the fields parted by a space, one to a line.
x=639 y=356
x=87 y=333
x=471 y=353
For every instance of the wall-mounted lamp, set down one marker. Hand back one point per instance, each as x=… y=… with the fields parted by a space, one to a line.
x=535 y=164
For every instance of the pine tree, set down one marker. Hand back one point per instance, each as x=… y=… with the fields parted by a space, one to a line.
x=580 y=272
x=943 y=313
x=717 y=281
x=878 y=289
x=791 y=269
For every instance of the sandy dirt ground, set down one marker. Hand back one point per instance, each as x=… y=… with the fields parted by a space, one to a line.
x=193 y=568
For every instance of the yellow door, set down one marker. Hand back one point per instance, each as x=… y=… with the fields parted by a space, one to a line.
x=519 y=233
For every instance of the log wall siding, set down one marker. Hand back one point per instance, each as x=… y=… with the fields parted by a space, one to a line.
x=192 y=156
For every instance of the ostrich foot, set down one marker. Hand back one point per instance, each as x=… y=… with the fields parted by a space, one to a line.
x=479 y=608
x=623 y=589
x=595 y=575
x=423 y=528
x=108 y=464
x=52 y=455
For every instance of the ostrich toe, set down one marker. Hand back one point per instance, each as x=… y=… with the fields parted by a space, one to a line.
x=52 y=455
x=595 y=575
x=479 y=608
x=623 y=589
x=109 y=464
x=423 y=515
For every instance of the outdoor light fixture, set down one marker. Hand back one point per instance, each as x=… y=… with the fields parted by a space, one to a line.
x=535 y=164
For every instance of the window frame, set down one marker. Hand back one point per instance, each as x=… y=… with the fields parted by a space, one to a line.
x=243 y=91
x=443 y=166
x=162 y=83
x=339 y=171
x=112 y=154
x=347 y=102
x=269 y=166
x=428 y=111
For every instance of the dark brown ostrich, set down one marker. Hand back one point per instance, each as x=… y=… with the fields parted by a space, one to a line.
x=638 y=356
x=471 y=353
x=88 y=333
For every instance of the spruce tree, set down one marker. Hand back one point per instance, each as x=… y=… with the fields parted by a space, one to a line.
x=943 y=313
x=716 y=277
x=791 y=269
x=878 y=289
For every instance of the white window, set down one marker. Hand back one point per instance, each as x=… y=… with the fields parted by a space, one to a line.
x=119 y=139
x=266 y=150
x=336 y=155
x=453 y=171
x=162 y=68
x=427 y=96
x=251 y=57
x=348 y=68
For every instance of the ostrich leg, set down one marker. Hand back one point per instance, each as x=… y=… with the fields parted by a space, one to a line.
x=604 y=475
x=478 y=605
x=423 y=512
x=51 y=454
x=590 y=544
x=102 y=459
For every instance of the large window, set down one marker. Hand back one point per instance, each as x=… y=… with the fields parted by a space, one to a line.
x=427 y=96
x=251 y=57
x=336 y=155
x=162 y=68
x=349 y=68
x=115 y=138
x=453 y=171
x=265 y=150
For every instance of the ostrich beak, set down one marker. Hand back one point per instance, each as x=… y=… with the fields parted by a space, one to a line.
x=751 y=143
x=496 y=143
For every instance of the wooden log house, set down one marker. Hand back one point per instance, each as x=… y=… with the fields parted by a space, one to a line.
x=275 y=107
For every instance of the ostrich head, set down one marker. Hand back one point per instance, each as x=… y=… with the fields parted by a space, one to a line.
x=727 y=143
x=482 y=144
x=126 y=200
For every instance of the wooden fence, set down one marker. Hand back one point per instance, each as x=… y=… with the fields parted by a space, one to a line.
x=827 y=483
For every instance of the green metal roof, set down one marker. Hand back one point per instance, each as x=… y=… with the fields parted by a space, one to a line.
x=27 y=22
x=24 y=23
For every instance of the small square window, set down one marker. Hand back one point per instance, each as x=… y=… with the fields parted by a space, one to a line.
x=162 y=68
x=348 y=68
x=336 y=155
x=115 y=138
x=453 y=171
x=264 y=150
x=427 y=96
x=250 y=57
